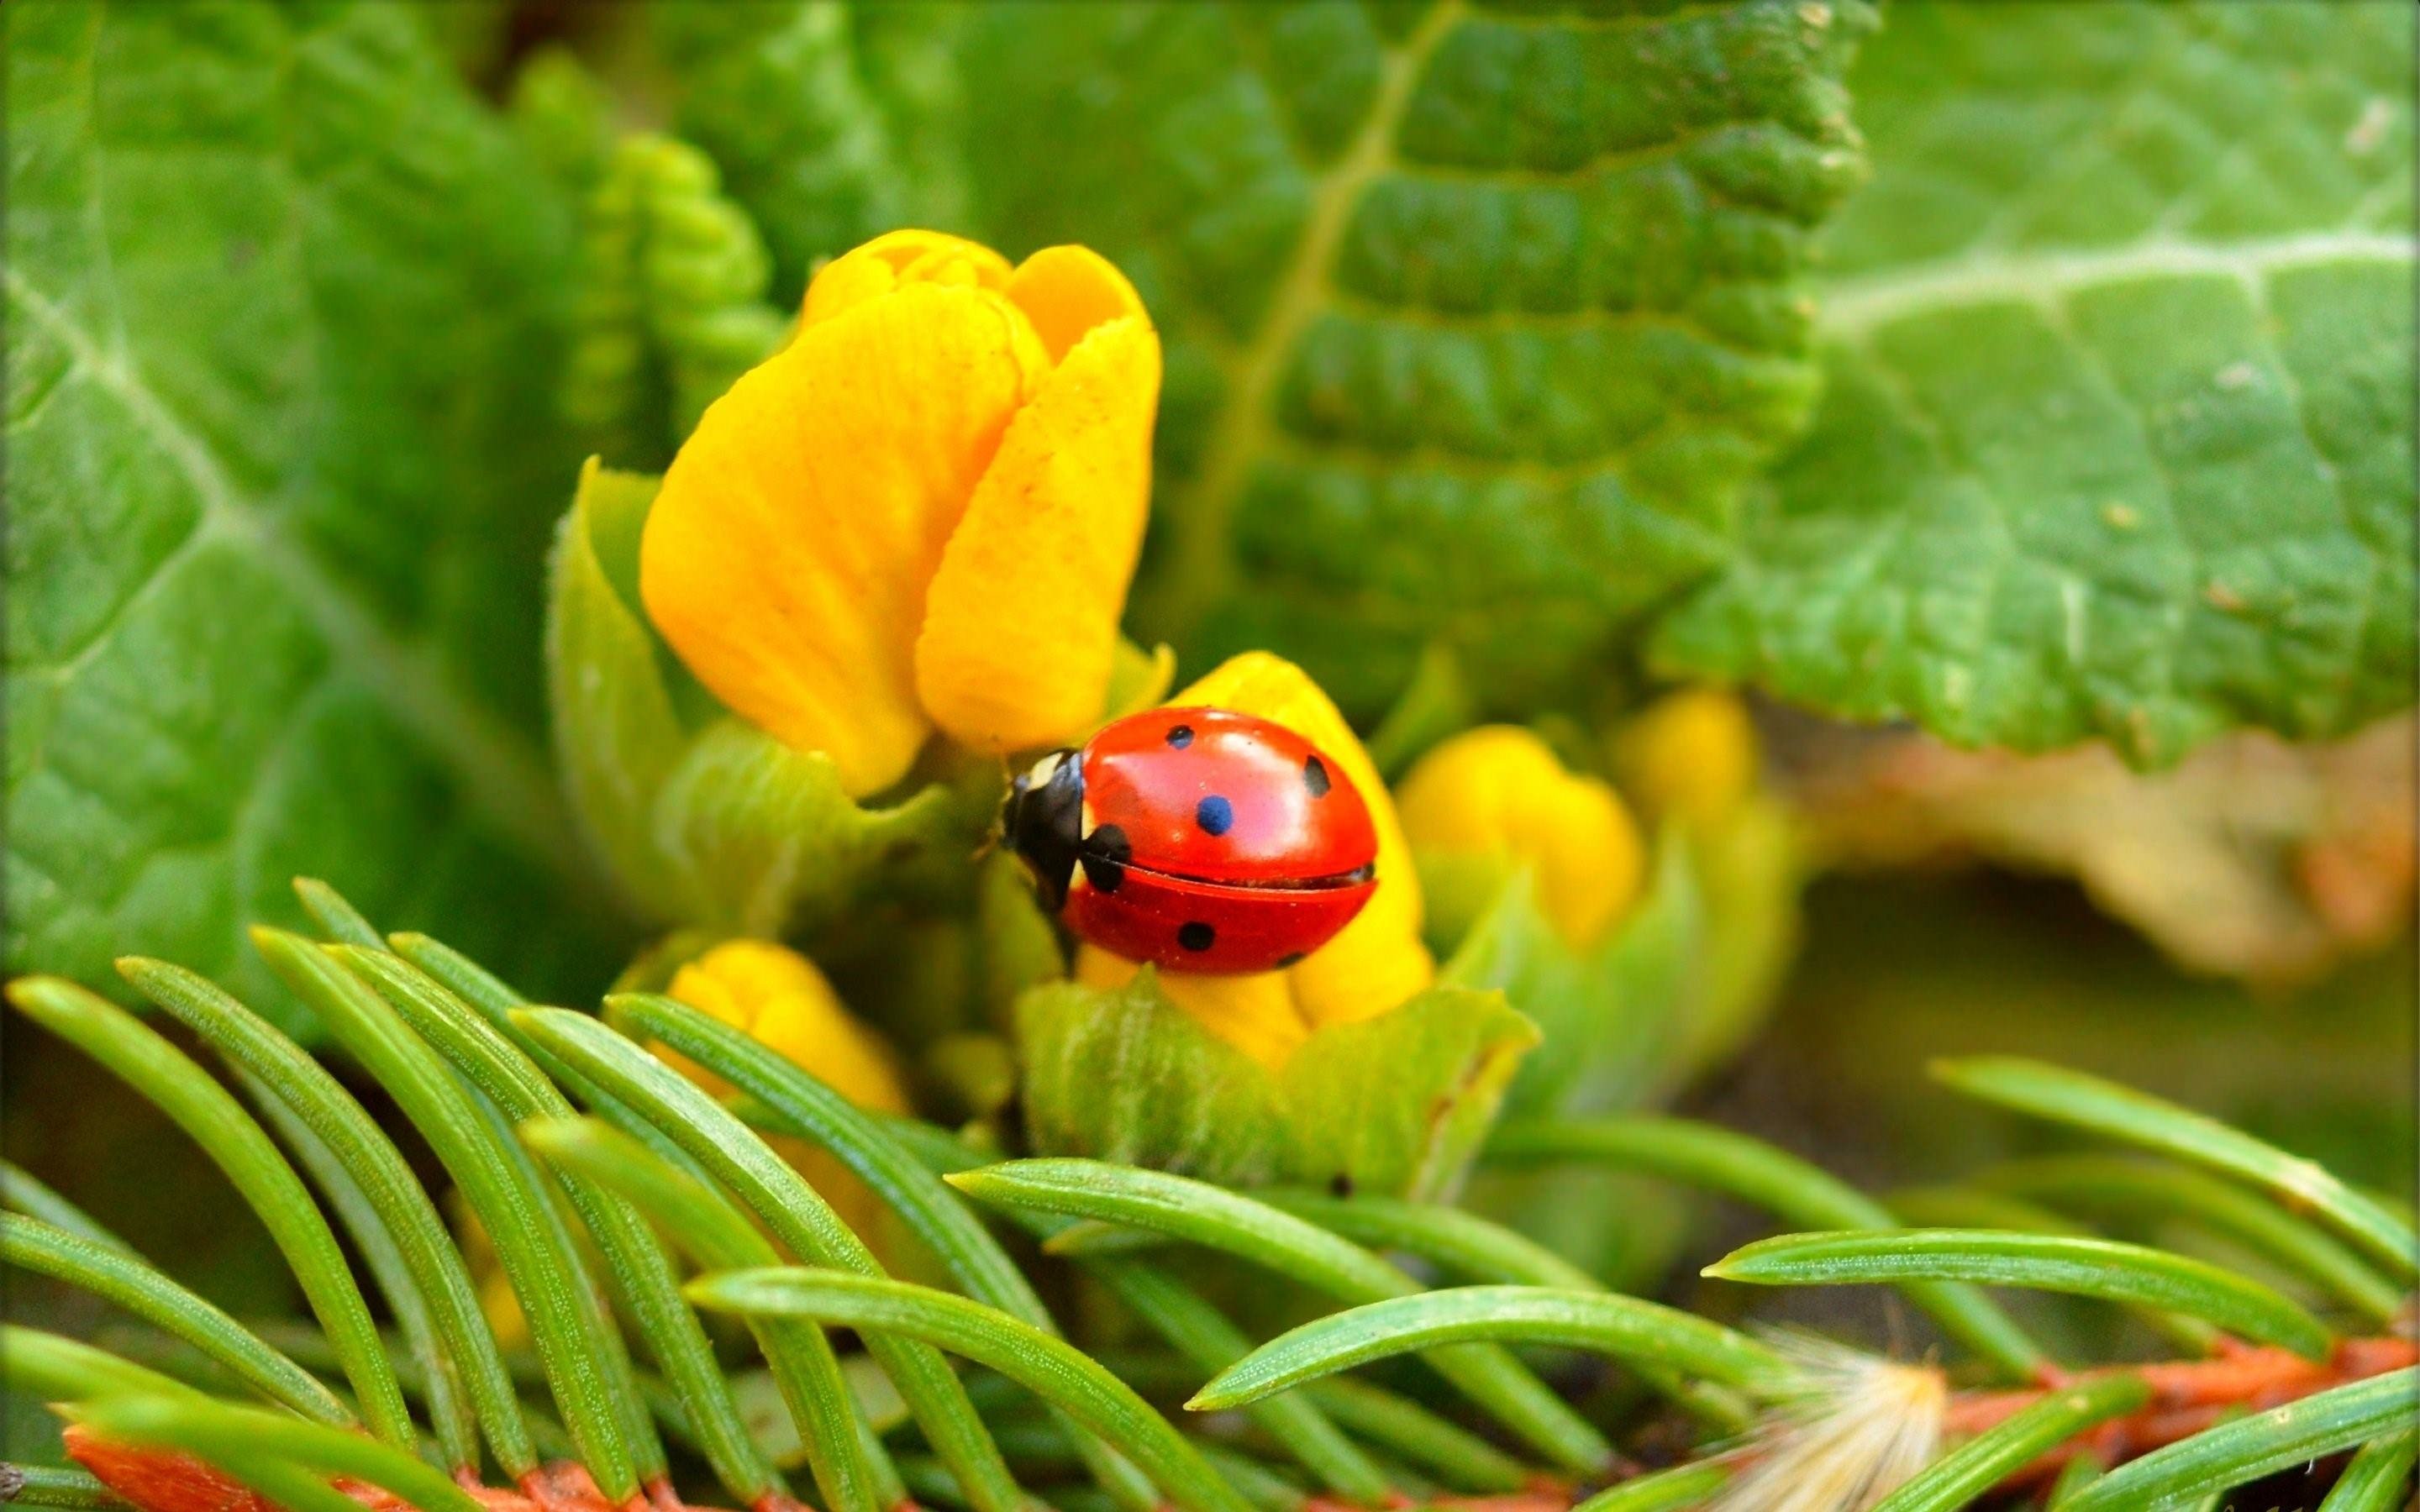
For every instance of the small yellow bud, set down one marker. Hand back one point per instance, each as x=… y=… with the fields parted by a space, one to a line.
x=1492 y=800
x=779 y=998
x=1691 y=756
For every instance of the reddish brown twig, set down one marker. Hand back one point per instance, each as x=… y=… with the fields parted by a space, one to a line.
x=2188 y=1396
x=159 y=1480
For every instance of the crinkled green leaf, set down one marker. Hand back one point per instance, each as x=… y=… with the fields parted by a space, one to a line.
x=1399 y=1103
x=1478 y=316
x=1394 y=1104
x=1127 y=1076
x=832 y=122
x=704 y=819
x=282 y=303
x=672 y=305
x=2117 y=441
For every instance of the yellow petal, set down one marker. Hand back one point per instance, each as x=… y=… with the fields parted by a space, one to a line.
x=1377 y=960
x=788 y=552
x=898 y=257
x=1255 y=1014
x=782 y=1001
x=1067 y=292
x=1497 y=795
x=1022 y=621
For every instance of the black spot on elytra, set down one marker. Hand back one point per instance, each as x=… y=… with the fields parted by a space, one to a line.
x=1103 y=857
x=1292 y=958
x=1180 y=735
x=1215 y=814
x=1196 y=935
x=1314 y=776
x=1341 y=1183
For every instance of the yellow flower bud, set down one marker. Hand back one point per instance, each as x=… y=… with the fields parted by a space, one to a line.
x=1374 y=963
x=779 y=998
x=1492 y=800
x=920 y=513
x=784 y=1003
x=1691 y=756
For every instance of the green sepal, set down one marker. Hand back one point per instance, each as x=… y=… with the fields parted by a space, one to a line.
x=704 y=819
x=1395 y=1104
x=1670 y=990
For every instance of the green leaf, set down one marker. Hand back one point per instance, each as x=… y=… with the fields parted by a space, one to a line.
x=211 y=1117
x=2122 y=1113
x=1210 y=1215
x=44 y=1485
x=1210 y=1342
x=2375 y=1479
x=938 y=1216
x=21 y=1191
x=1400 y=1104
x=36 y=1246
x=1626 y=1327
x=52 y=1368
x=283 y=305
x=1041 y=1363
x=641 y=1274
x=833 y=123
x=719 y=1237
x=1393 y=1104
x=1127 y=1076
x=2142 y=1189
x=2237 y=1452
x=1413 y=1434
x=2118 y=347
x=587 y=1366
x=2048 y=1262
x=375 y=1169
x=1477 y=320
x=1665 y=1490
x=793 y=1210
x=1750 y=1170
x=240 y=1439
x=453 y=1416
x=1479 y=1250
x=1972 y=1469
x=1967 y=1207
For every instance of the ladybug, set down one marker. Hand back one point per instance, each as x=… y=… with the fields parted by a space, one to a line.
x=1202 y=839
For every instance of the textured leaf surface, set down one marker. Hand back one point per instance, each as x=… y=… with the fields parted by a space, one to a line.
x=1478 y=316
x=1392 y=1105
x=2117 y=440
x=280 y=304
x=833 y=123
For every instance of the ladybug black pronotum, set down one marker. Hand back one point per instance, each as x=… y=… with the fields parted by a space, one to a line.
x=1202 y=839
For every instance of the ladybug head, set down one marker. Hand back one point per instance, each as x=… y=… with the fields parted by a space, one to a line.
x=1044 y=822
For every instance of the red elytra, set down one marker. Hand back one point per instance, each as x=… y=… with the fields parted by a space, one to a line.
x=1200 y=839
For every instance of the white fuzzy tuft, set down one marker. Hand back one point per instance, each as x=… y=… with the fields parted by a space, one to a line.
x=1865 y=1425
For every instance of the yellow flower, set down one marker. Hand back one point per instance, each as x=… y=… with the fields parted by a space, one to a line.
x=1495 y=799
x=1374 y=963
x=920 y=513
x=783 y=1002
x=1692 y=755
